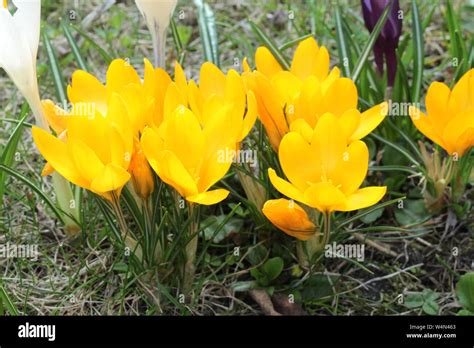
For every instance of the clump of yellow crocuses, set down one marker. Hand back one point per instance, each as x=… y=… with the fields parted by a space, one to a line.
x=325 y=171
x=306 y=92
x=449 y=123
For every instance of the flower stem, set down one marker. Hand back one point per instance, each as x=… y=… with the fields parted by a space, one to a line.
x=191 y=249
x=327 y=229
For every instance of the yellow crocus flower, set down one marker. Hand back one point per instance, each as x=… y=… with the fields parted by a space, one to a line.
x=323 y=171
x=84 y=158
x=191 y=156
x=290 y=218
x=449 y=121
x=307 y=91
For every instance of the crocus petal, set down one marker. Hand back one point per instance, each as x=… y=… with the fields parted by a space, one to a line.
x=329 y=144
x=463 y=92
x=421 y=121
x=120 y=74
x=309 y=60
x=355 y=161
x=363 y=198
x=55 y=115
x=290 y=218
x=27 y=17
x=209 y=197
x=349 y=122
x=323 y=196
x=211 y=80
x=56 y=153
x=111 y=178
x=369 y=120
x=88 y=165
x=303 y=128
x=87 y=88
x=340 y=96
x=457 y=130
x=299 y=163
x=266 y=63
x=250 y=116
x=284 y=187
x=437 y=101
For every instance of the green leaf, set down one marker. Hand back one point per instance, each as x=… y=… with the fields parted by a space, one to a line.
x=318 y=286
x=9 y=150
x=7 y=302
x=273 y=267
x=55 y=70
x=75 y=49
x=370 y=42
x=244 y=285
x=208 y=31
x=341 y=43
x=414 y=300
x=35 y=188
x=413 y=212
x=418 y=57
x=431 y=308
x=372 y=216
x=465 y=312
x=465 y=291
x=217 y=229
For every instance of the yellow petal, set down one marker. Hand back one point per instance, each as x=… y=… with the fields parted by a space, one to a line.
x=309 y=60
x=369 y=120
x=120 y=74
x=303 y=128
x=356 y=162
x=298 y=161
x=184 y=137
x=290 y=218
x=437 y=102
x=286 y=85
x=266 y=63
x=456 y=134
x=362 y=198
x=284 y=187
x=172 y=171
x=340 y=96
x=55 y=115
x=423 y=123
x=56 y=153
x=86 y=161
x=349 y=122
x=463 y=92
x=250 y=116
x=211 y=80
x=87 y=88
x=323 y=196
x=111 y=178
x=329 y=143
x=210 y=197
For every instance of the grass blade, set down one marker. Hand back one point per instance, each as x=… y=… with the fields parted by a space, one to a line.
x=10 y=148
x=341 y=43
x=418 y=57
x=107 y=57
x=7 y=302
x=57 y=76
x=75 y=50
x=36 y=189
x=208 y=31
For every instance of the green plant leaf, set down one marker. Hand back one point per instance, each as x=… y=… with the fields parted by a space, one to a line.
x=431 y=308
x=414 y=300
x=465 y=291
x=208 y=31
x=55 y=70
x=273 y=267
x=75 y=49
x=418 y=57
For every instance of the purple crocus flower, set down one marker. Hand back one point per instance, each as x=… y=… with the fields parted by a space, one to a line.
x=387 y=42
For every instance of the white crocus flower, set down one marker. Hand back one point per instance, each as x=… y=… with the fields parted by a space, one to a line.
x=157 y=14
x=19 y=39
